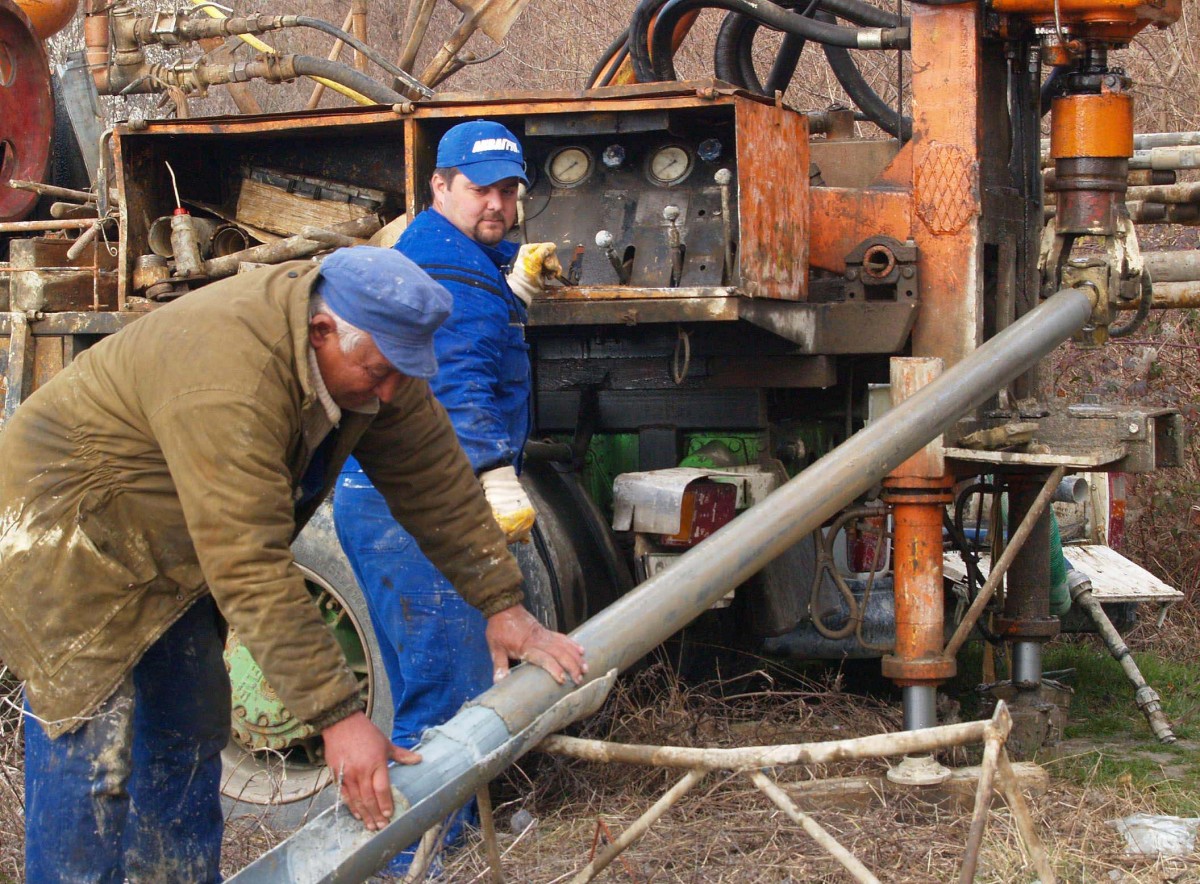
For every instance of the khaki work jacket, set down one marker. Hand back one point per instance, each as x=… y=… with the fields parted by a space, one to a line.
x=163 y=463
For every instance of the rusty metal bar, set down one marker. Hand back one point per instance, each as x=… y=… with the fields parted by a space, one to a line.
x=62 y=193
x=1001 y=565
x=1170 y=194
x=1181 y=266
x=500 y=726
x=38 y=226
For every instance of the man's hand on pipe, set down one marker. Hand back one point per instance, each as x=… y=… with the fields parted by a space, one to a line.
x=515 y=634
x=358 y=753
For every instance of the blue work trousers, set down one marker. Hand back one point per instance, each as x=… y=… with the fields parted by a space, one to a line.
x=133 y=794
x=432 y=642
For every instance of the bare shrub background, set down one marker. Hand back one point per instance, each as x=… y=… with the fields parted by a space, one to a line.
x=554 y=46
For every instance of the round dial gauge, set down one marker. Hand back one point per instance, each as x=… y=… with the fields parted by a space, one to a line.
x=669 y=165
x=569 y=166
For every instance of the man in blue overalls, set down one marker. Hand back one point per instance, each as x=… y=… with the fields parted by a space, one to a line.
x=432 y=642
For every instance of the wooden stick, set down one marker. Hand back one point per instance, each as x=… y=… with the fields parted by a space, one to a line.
x=487 y=823
x=639 y=827
x=848 y=860
x=876 y=746
x=427 y=851
x=1020 y=811
x=983 y=803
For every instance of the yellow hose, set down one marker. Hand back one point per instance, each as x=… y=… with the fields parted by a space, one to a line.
x=258 y=44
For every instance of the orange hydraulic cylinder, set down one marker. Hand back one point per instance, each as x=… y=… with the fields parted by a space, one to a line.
x=1092 y=126
x=917 y=564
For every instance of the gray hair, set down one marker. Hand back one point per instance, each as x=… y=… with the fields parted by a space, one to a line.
x=349 y=336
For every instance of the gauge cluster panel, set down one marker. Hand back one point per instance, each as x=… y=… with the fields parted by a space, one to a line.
x=652 y=187
x=646 y=185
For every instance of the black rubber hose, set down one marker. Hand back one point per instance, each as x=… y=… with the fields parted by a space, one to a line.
x=639 y=38
x=308 y=66
x=319 y=24
x=1054 y=86
x=1143 y=310
x=733 y=56
x=864 y=97
x=783 y=69
x=728 y=56
x=773 y=16
x=863 y=13
x=616 y=46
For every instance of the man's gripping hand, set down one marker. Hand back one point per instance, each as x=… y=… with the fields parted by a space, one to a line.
x=358 y=753
x=511 y=507
x=534 y=263
x=515 y=634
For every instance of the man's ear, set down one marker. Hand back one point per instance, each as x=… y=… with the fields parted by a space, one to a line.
x=321 y=330
x=438 y=187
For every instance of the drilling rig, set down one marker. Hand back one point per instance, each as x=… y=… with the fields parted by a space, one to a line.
x=787 y=363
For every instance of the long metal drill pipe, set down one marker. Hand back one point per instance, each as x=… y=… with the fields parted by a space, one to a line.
x=463 y=753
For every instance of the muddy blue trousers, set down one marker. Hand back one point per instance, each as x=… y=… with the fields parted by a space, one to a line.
x=133 y=794
x=431 y=641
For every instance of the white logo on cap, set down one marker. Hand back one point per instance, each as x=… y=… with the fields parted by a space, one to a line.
x=486 y=144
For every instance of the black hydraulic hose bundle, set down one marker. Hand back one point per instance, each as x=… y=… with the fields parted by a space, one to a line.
x=306 y=21
x=309 y=66
x=652 y=51
x=867 y=99
x=656 y=62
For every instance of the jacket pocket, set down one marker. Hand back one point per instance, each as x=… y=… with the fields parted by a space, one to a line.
x=60 y=587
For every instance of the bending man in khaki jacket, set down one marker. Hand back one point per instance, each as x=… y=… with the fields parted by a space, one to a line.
x=152 y=489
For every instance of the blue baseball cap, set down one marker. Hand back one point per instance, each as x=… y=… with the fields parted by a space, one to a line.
x=390 y=298
x=484 y=151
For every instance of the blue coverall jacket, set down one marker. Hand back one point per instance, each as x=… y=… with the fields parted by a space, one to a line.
x=432 y=642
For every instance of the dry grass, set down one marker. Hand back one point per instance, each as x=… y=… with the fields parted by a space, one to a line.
x=726 y=831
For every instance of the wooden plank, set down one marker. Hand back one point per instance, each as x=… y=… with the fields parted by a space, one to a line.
x=274 y=209
x=1114 y=577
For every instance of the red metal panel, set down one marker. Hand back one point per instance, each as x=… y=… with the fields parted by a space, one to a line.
x=26 y=111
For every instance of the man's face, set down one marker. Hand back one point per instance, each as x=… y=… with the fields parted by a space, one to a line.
x=355 y=379
x=484 y=214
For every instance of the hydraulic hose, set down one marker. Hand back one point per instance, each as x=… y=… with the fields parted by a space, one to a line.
x=306 y=21
x=661 y=65
x=867 y=99
x=604 y=69
x=308 y=66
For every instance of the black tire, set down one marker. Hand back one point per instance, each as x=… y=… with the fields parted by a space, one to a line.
x=252 y=784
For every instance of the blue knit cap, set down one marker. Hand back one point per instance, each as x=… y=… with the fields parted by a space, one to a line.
x=389 y=297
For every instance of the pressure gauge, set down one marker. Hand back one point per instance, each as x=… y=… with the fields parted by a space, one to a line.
x=569 y=166
x=669 y=165
x=613 y=156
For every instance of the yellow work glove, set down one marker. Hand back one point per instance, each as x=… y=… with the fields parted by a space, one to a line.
x=511 y=508
x=535 y=262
